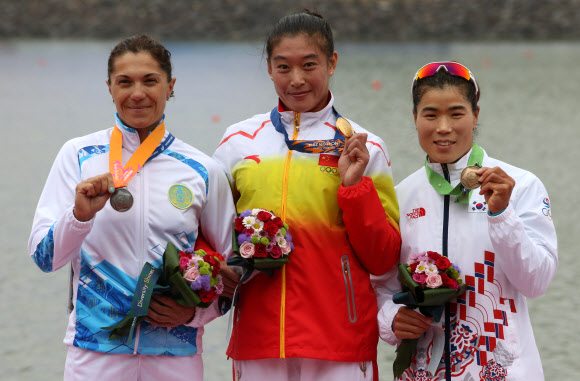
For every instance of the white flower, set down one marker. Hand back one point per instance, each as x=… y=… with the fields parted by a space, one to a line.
x=249 y=221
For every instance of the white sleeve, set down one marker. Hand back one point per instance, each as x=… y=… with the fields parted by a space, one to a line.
x=57 y=235
x=385 y=287
x=524 y=239
x=217 y=218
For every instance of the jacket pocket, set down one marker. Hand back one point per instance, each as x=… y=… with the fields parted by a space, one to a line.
x=350 y=304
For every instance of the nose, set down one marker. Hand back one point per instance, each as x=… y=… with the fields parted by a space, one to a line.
x=296 y=78
x=138 y=92
x=444 y=126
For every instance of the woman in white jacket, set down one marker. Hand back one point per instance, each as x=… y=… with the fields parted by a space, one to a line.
x=501 y=236
x=167 y=195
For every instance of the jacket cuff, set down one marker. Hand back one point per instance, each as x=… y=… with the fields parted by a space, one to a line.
x=204 y=315
x=355 y=191
x=385 y=320
x=505 y=215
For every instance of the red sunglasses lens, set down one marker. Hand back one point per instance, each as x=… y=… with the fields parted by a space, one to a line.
x=452 y=68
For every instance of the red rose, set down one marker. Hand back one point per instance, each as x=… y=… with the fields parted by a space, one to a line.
x=448 y=282
x=219 y=257
x=276 y=252
x=261 y=251
x=238 y=224
x=248 y=231
x=442 y=263
x=278 y=221
x=184 y=254
x=264 y=216
x=212 y=262
x=271 y=227
x=413 y=266
x=433 y=255
x=207 y=296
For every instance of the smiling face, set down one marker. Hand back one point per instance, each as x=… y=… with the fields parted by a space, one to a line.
x=301 y=72
x=445 y=122
x=139 y=88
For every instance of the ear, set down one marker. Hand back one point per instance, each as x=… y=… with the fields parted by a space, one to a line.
x=414 y=117
x=475 y=117
x=109 y=86
x=269 y=67
x=171 y=84
x=332 y=62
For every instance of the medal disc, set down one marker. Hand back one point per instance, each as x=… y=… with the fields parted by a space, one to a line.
x=469 y=178
x=121 y=200
x=344 y=127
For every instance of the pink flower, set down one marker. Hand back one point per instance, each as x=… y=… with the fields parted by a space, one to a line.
x=419 y=278
x=286 y=248
x=183 y=263
x=191 y=274
x=247 y=250
x=433 y=280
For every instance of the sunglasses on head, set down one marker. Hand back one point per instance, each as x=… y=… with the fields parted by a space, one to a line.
x=452 y=68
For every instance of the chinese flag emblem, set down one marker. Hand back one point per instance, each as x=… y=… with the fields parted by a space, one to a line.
x=328 y=160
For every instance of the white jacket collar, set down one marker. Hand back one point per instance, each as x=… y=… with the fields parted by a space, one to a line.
x=308 y=119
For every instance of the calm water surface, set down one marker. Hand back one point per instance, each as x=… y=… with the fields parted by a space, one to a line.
x=54 y=91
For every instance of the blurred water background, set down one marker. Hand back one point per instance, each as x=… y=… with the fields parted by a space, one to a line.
x=55 y=90
x=53 y=55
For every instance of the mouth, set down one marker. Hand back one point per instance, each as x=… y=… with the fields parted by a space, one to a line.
x=138 y=108
x=300 y=94
x=444 y=143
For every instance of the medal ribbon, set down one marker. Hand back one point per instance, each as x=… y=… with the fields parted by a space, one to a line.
x=122 y=176
x=443 y=187
x=309 y=146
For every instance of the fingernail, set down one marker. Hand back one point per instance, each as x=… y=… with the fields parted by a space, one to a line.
x=101 y=194
x=111 y=189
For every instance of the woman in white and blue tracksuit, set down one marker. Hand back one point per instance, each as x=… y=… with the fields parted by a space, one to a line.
x=178 y=191
x=501 y=236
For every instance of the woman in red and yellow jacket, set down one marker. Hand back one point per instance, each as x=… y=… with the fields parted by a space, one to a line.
x=316 y=317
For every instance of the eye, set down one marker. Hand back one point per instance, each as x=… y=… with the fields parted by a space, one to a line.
x=310 y=65
x=151 y=80
x=123 y=81
x=283 y=68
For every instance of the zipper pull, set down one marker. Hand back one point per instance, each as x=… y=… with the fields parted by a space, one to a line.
x=297 y=120
x=363 y=368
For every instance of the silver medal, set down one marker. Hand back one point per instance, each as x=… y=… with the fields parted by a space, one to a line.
x=121 y=200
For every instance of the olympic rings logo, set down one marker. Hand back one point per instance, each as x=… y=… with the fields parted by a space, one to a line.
x=329 y=170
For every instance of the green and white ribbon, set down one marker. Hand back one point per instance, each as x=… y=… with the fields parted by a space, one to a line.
x=443 y=187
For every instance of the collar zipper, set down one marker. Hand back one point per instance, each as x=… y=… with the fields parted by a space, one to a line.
x=297 y=120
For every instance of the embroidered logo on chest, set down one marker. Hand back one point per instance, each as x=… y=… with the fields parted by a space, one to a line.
x=416 y=213
x=328 y=163
x=180 y=196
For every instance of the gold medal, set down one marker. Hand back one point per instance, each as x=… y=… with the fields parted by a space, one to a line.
x=344 y=127
x=469 y=178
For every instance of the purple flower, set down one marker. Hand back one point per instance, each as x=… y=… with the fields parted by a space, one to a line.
x=456 y=268
x=189 y=250
x=243 y=238
x=288 y=237
x=201 y=283
x=246 y=213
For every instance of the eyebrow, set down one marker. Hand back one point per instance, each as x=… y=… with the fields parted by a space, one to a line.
x=308 y=56
x=146 y=75
x=452 y=108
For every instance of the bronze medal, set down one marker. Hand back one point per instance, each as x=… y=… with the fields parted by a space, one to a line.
x=121 y=200
x=344 y=127
x=469 y=178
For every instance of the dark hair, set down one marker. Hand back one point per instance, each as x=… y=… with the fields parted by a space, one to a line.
x=137 y=44
x=441 y=79
x=306 y=22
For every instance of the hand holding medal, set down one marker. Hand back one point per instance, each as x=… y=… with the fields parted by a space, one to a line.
x=92 y=195
x=355 y=155
x=496 y=186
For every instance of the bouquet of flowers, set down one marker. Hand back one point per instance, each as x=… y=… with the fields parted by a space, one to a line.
x=190 y=277
x=429 y=281
x=261 y=241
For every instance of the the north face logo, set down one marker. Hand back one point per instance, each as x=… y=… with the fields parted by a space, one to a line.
x=416 y=213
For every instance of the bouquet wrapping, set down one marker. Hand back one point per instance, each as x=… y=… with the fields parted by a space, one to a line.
x=261 y=241
x=190 y=277
x=429 y=281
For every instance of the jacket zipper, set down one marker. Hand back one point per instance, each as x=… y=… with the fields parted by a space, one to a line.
x=283 y=217
x=350 y=304
x=141 y=240
x=445 y=244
